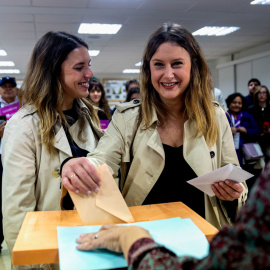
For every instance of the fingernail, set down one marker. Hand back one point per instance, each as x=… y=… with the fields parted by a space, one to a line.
x=89 y=192
x=97 y=190
x=99 y=183
x=77 y=191
x=227 y=182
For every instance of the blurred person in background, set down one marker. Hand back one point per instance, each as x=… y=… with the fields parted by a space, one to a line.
x=130 y=84
x=245 y=130
x=244 y=127
x=252 y=87
x=133 y=93
x=8 y=96
x=219 y=97
x=261 y=113
x=98 y=98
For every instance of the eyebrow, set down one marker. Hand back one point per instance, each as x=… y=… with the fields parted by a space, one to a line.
x=79 y=63
x=177 y=59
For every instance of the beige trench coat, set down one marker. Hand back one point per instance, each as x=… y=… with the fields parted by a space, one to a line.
x=31 y=180
x=145 y=150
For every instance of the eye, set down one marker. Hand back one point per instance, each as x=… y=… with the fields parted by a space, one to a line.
x=78 y=68
x=90 y=63
x=158 y=64
x=178 y=63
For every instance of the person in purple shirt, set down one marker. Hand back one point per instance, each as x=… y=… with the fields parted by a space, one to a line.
x=243 y=125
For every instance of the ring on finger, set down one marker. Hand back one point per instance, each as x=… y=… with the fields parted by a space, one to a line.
x=96 y=236
x=72 y=175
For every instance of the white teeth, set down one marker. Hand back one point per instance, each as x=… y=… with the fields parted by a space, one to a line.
x=168 y=84
x=86 y=84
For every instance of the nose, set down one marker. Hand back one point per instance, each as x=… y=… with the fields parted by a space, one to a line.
x=169 y=72
x=88 y=73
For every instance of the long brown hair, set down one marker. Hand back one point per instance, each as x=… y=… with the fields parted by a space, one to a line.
x=103 y=103
x=43 y=89
x=198 y=96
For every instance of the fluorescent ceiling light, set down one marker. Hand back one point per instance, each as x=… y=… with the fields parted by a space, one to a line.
x=139 y=64
x=131 y=71
x=3 y=53
x=215 y=30
x=7 y=64
x=260 y=2
x=93 y=52
x=9 y=71
x=97 y=28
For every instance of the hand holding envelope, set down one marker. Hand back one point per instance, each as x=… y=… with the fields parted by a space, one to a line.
x=229 y=171
x=106 y=206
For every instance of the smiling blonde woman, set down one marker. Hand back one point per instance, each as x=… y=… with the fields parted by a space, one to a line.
x=175 y=133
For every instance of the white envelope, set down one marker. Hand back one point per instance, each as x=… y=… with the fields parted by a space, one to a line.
x=229 y=171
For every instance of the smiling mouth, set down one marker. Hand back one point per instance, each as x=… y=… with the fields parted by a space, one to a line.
x=84 y=84
x=169 y=84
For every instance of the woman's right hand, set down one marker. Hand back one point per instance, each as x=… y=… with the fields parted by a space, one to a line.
x=80 y=175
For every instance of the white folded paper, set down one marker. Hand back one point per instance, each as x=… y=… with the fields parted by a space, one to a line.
x=229 y=171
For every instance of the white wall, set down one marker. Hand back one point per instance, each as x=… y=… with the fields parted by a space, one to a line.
x=233 y=76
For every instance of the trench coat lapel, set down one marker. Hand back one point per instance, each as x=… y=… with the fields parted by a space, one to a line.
x=196 y=151
x=155 y=143
x=61 y=142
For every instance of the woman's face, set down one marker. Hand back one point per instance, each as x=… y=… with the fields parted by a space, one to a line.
x=170 y=69
x=74 y=77
x=236 y=105
x=262 y=95
x=95 y=95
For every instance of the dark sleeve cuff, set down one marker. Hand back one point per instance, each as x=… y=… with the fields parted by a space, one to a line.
x=145 y=246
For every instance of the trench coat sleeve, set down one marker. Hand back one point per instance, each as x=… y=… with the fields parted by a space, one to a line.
x=19 y=170
x=115 y=146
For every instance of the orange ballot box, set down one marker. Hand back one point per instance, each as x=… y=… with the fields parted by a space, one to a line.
x=37 y=239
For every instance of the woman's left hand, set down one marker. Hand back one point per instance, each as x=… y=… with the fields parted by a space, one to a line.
x=227 y=190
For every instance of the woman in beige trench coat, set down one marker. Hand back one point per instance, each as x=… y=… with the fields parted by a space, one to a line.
x=54 y=124
x=174 y=134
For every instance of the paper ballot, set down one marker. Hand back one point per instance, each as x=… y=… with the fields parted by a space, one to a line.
x=181 y=236
x=229 y=171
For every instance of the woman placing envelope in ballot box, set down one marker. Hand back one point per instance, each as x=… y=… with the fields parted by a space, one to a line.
x=174 y=134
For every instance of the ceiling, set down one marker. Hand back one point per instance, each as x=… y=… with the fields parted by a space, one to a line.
x=23 y=22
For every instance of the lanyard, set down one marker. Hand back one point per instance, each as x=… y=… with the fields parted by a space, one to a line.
x=236 y=122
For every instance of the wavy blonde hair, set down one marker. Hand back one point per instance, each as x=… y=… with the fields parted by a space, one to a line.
x=198 y=98
x=43 y=89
